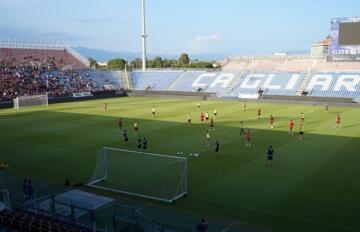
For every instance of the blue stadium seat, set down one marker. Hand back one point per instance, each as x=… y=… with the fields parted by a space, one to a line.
x=285 y=84
x=153 y=80
x=345 y=91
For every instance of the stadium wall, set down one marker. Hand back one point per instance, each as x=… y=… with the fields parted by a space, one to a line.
x=309 y=99
x=170 y=94
x=95 y=96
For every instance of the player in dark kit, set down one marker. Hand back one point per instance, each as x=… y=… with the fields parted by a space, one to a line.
x=105 y=107
x=125 y=135
x=189 y=119
x=217 y=149
x=139 y=142
x=215 y=113
x=270 y=154
x=245 y=105
x=259 y=113
x=145 y=143
x=212 y=124
x=242 y=129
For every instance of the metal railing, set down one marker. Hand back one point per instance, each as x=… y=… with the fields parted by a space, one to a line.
x=32 y=44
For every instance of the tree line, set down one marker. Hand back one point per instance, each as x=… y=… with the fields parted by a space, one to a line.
x=183 y=62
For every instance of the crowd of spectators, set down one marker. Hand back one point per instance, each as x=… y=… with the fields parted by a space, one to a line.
x=39 y=74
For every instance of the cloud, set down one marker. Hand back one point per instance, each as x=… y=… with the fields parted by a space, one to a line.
x=210 y=37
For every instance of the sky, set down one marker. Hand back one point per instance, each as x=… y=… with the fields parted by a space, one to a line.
x=176 y=26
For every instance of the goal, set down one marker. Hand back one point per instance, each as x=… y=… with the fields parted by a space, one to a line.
x=148 y=175
x=35 y=100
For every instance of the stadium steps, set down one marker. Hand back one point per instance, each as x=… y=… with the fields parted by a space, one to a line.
x=173 y=84
x=126 y=80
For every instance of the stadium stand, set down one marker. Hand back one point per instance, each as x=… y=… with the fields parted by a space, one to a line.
x=289 y=81
x=58 y=57
x=107 y=79
x=185 y=80
x=20 y=220
x=335 y=84
x=268 y=64
x=336 y=66
x=153 y=80
x=56 y=72
x=248 y=85
x=247 y=76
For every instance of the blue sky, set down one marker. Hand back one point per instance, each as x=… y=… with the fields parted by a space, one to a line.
x=174 y=26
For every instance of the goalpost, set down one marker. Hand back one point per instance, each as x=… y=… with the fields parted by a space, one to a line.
x=24 y=101
x=148 y=175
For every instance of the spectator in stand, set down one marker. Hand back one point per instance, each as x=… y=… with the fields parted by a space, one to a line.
x=203 y=226
x=30 y=189
x=24 y=188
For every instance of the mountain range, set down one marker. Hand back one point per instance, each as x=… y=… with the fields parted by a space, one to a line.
x=105 y=55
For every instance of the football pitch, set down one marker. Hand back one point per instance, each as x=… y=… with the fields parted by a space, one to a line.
x=314 y=184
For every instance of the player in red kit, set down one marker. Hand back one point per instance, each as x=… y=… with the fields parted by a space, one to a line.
x=202 y=116
x=338 y=121
x=248 y=138
x=271 y=121
x=291 y=126
x=120 y=124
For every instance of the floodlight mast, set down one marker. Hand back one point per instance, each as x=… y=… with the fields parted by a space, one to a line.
x=143 y=35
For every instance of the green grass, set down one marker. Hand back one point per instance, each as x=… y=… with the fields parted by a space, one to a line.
x=314 y=184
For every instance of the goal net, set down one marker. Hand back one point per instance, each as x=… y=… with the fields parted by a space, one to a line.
x=35 y=100
x=148 y=175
